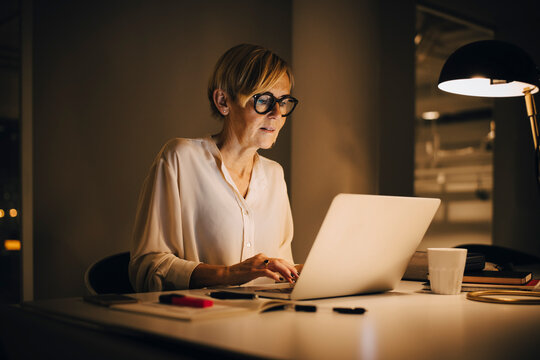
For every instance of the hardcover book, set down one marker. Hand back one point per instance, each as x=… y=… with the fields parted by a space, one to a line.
x=498 y=277
x=533 y=285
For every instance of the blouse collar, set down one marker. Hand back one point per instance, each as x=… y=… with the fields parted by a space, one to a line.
x=258 y=179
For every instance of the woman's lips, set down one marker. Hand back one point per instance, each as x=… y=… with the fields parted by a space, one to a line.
x=268 y=129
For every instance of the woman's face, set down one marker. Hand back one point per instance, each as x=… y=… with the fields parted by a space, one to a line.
x=254 y=130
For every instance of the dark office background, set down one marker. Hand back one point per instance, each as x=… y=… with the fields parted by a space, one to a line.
x=113 y=80
x=10 y=161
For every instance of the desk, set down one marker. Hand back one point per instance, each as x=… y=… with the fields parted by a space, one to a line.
x=401 y=324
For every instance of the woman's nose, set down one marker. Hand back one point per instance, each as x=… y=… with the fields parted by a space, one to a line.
x=276 y=110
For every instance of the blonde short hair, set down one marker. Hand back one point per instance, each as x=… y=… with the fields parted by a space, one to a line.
x=246 y=70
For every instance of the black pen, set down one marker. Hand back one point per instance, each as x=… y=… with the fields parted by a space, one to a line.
x=305 y=308
x=349 y=310
x=230 y=295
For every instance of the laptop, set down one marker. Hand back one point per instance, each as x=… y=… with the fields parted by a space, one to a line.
x=363 y=246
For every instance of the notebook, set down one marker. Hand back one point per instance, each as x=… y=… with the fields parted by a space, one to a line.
x=363 y=246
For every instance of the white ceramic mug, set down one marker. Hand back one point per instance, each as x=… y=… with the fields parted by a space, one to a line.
x=446 y=267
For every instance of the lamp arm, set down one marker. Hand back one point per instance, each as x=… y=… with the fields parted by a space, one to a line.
x=531 y=114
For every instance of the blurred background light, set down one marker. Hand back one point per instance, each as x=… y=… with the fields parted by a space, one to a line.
x=12 y=245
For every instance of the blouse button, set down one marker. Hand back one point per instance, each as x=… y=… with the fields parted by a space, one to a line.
x=248 y=245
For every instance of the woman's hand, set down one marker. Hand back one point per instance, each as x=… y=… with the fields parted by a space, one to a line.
x=252 y=268
x=258 y=266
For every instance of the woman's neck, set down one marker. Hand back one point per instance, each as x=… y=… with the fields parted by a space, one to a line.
x=237 y=158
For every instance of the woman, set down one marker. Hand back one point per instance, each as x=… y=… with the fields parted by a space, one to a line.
x=212 y=211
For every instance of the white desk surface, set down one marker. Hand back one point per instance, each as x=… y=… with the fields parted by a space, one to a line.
x=401 y=324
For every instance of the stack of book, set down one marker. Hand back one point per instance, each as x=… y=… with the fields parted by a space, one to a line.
x=417 y=270
x=498 y=280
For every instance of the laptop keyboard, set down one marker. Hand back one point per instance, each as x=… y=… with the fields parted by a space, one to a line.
x=279 y=290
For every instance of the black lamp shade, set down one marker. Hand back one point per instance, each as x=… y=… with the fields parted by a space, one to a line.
x=489 y=68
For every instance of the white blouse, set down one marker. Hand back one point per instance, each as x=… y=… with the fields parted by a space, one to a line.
x=190 y=211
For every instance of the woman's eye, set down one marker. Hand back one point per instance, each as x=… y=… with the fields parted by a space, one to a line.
x=284 y=102
x=263 y=101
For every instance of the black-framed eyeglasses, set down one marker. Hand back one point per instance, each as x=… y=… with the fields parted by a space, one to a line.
x=265 y=102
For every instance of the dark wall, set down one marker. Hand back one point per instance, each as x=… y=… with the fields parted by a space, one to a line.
x=354 y=131
x=114 y=80
x=516 y=212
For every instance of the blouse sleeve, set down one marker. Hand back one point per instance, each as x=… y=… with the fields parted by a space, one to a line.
x=157 y=256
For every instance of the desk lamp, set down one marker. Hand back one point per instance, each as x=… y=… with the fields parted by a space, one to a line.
x=493 y=68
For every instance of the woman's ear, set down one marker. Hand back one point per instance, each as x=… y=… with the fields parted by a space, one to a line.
x=221 y=101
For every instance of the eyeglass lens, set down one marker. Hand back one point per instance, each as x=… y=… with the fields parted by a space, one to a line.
x=264 y=103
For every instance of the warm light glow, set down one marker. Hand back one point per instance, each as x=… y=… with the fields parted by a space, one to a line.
x=484 y=87
x=12 y=245
x=431 y=115
x=12 y=212
x=2 y=213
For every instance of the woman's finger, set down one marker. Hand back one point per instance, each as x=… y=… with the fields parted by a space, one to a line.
x=277 y=269
x=261 y=265
x=283 y=271
x=286 y=270
x=290 y=267
x=270 y=274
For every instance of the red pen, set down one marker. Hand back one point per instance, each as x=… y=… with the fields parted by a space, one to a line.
x=182 y=300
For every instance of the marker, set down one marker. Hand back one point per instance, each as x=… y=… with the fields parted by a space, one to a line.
x=182 y=300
